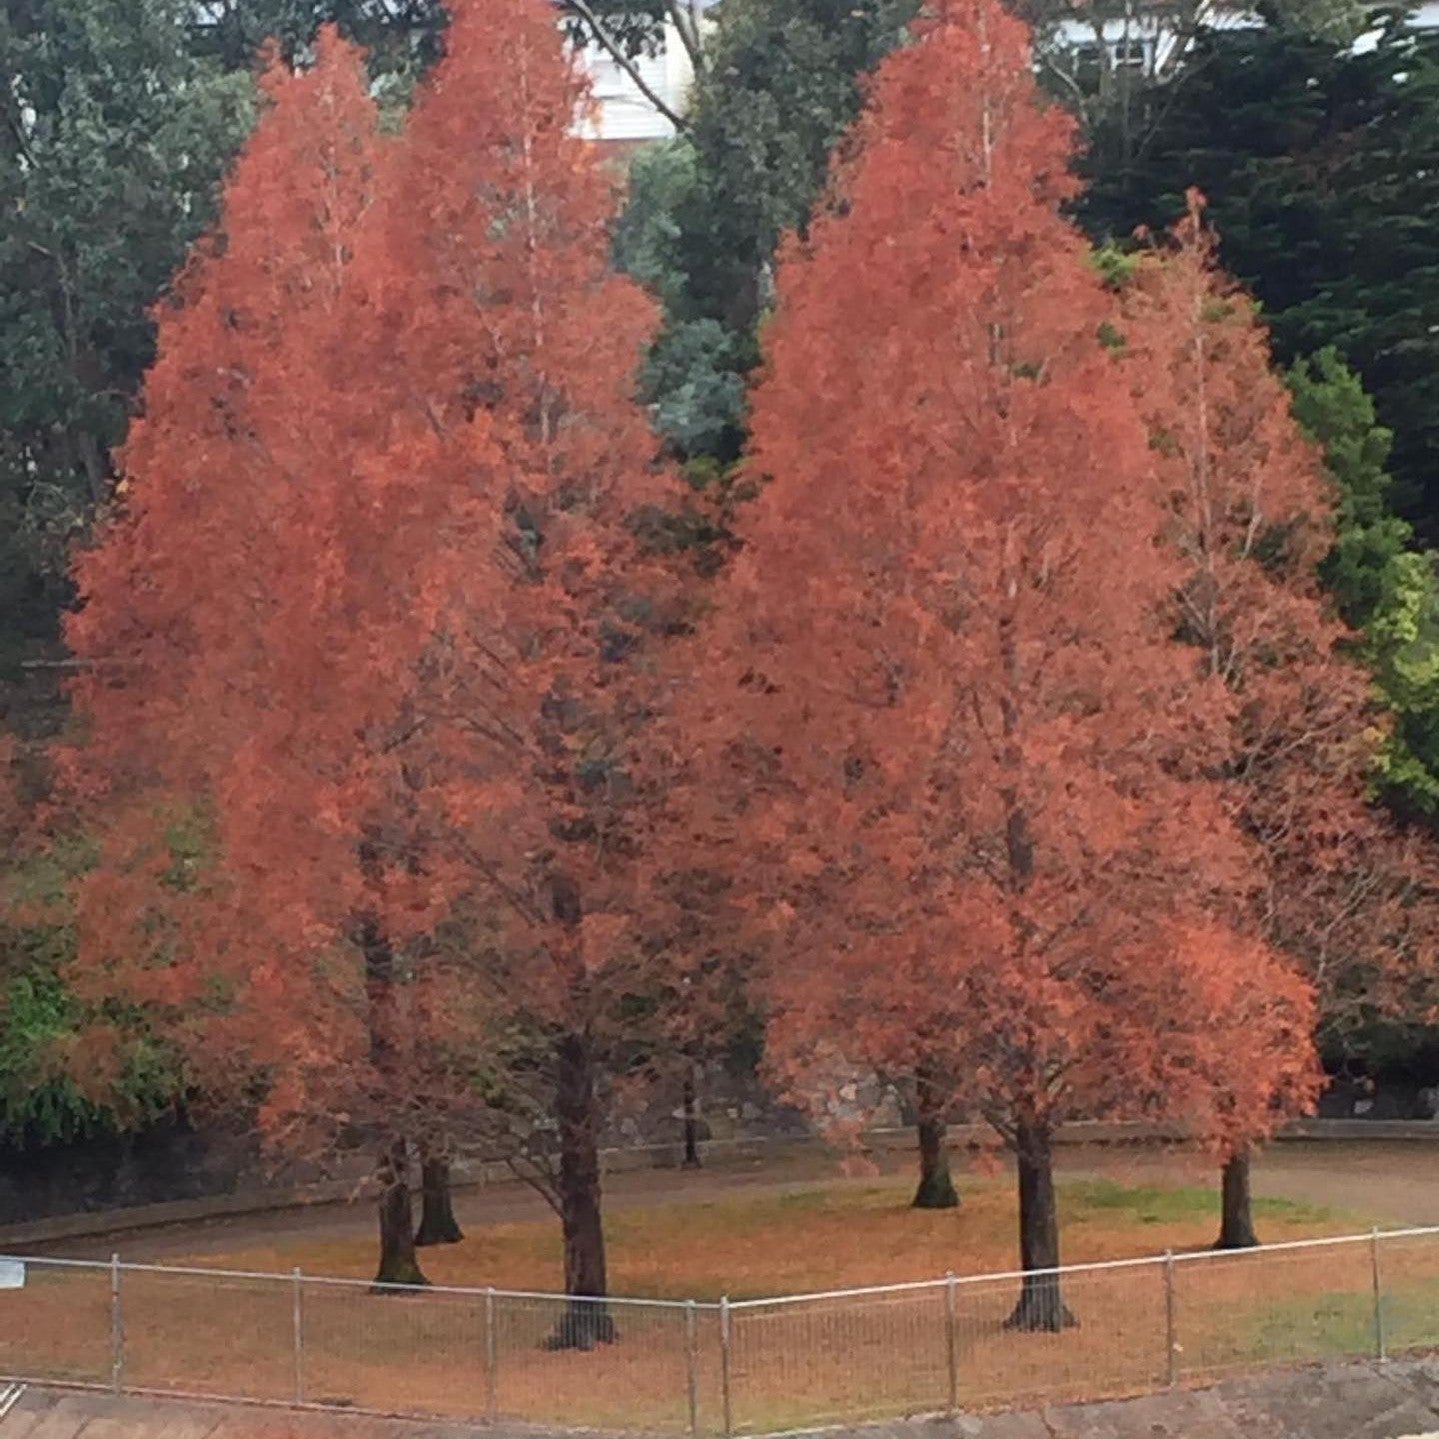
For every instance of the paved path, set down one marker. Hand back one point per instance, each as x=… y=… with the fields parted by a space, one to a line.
x=58 y=1414
x=1358 y=1401
x=1392 y=1182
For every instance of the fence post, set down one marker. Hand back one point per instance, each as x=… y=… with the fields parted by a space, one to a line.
x=492 y=1351
x=1171 y=1336
x=297 y=1329
x=726 y=1403
x=951 y=1340
x=117 y=1329
x=691 y=1363
x=1379 y=1345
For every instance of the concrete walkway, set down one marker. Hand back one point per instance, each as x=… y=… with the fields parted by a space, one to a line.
x=1399 y=1400
x=61 y=1414
x=1392 y=1182
x=1360 y=1401
x=1343 y=1164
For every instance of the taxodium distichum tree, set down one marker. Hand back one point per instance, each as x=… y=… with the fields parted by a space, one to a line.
x=968 y=753
x=393 y=519
x=247 y=638
x=1250 y=515
x=510 y=347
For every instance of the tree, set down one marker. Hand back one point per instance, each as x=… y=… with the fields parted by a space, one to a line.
x=1252 y=519
x=783 y=86
x=438 y=1224
x=1120 y=68
x=1383 y=584
x=229 y=696
x=117 y=125
x=936 y=1184
x=503 y=333
x=57 y=1084
x=780 y=84
x=1316 y=158
x=401 y=38
x=112 y=140
x=969 y=755
x=446 y=359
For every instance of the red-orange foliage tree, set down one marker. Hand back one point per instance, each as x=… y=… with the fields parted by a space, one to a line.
x=419 y=708
x=495 y=307
x=970 y=754
x=249 y=629
x=1251 y=515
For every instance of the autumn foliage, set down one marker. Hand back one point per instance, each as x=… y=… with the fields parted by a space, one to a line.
x=207 y=683
x=973 y=761
x=1016 y=752
x=1334 y=885
x=509 y=349
x=372 y=624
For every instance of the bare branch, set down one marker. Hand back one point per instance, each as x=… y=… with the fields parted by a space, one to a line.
x=607 y=40
x=684 y=16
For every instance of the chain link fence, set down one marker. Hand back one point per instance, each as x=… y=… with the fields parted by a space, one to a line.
x=749 y=1367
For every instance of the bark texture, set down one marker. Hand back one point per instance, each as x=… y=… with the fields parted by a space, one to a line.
x=587 y=1320
x=1236 y=1222
x=438 y=1224
x=936 y=1184
x=399 y=1264
x=691 y=1123
x=1041 y=1306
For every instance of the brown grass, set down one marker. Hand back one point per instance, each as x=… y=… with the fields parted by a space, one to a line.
x=793 y=1364
x=815 y=1236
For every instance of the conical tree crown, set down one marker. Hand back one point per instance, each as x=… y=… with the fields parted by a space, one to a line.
x=971 y=751
x=182 y=597
x=499 y=295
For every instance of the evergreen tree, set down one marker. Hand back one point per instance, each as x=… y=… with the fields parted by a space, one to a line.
x=781 y=84
x=1384 y=584
x=1321 y=165
x=400 y=37
x=113 y=136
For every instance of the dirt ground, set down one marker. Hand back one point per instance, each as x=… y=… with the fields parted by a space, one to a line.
x=1392 y=1183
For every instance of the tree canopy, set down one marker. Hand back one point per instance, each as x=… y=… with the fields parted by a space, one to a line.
x=958 y=760
x=113 y=139
x=1319 y=162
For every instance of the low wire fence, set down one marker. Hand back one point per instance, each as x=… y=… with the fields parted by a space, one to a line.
x=742 y=1367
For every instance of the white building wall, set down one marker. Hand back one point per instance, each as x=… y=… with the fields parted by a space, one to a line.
x=1155 y=32
x=623 y=111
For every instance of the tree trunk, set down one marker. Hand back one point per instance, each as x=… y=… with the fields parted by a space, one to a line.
x=586 y=1321
x=691 y=1122
x=398 y=1262
x=1236 y=1224
x=438 y=1224
x=936 y=1184
x=1040 y=1305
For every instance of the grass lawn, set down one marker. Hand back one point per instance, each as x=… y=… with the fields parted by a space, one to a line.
x=819 y=1236
x=810 y=1362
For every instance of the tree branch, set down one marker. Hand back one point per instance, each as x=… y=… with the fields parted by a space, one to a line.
x=606 y=39
x=685 y=18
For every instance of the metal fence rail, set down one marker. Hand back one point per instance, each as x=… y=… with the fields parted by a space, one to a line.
x=693 y=1367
